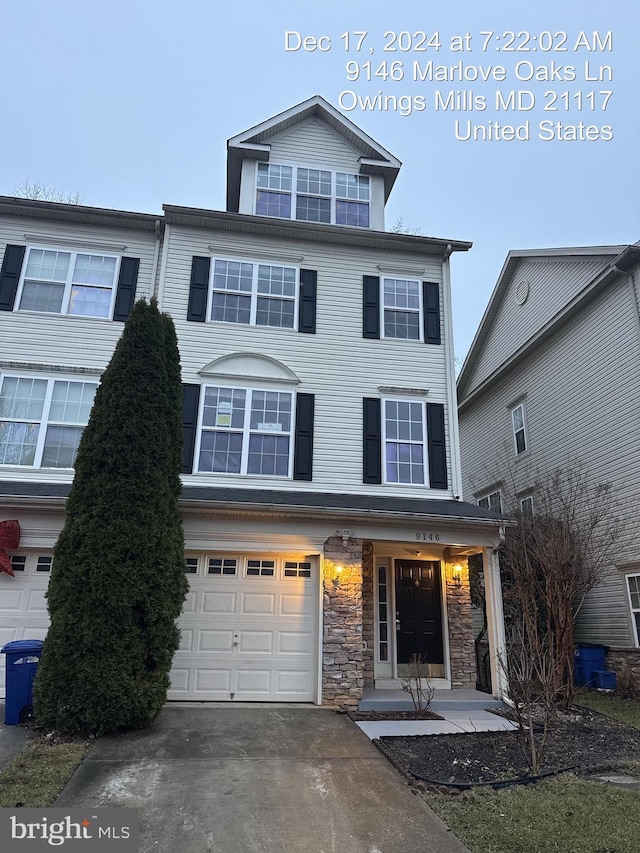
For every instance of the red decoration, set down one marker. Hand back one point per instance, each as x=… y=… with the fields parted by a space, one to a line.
x=9 y=538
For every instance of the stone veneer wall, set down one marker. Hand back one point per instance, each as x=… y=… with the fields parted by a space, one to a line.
x=342 y=663
x=461 y=646
x=368 y=635
x=626 y=664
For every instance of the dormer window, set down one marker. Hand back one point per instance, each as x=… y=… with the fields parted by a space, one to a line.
x=332 y=198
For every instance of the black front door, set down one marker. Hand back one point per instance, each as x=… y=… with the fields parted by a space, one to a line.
x=419 y=610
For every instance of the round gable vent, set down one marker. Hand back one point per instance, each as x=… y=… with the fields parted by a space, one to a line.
x=522 y=292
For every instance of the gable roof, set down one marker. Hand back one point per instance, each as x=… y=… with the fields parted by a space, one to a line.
x=254 y=144
x=613 y=261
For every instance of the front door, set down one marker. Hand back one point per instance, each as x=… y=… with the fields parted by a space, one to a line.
x=419 y=614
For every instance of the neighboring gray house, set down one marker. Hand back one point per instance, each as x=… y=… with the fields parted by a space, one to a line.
x=553 y=374
x=325 y=538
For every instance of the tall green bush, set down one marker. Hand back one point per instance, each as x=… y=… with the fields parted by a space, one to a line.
x=118 y=582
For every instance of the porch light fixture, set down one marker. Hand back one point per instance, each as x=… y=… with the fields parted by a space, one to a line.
x=457 y=574
x=337 y=576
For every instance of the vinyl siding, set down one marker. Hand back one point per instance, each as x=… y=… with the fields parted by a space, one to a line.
x=60 y=339
x=582 y=402
x=336 y=364
x=553 y=283
x=313 y=142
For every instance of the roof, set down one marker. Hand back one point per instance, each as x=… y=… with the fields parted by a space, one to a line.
x=621 y=257
x=80 y=213
x=219 y=220
x=301 y=504
x=254 y=144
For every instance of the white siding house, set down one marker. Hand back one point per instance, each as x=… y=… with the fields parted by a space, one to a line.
x=326 y=541
x=553 y=375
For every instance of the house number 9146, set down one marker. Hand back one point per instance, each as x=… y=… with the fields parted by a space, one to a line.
x=428 y=537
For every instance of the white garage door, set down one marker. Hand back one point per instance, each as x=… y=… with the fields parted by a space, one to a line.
x=249 y=630
x=23 y=608
x=249 y=625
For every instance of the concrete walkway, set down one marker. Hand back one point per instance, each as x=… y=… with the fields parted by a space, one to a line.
x=454 y=722
x=274 y=779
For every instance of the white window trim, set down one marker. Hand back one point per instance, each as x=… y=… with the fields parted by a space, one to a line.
x=333 y=197
x=632 y=609
x=246 y=431
x=425 y=451
x=487 y=496
x=43 y=421
x=513 y=410
x=523 y=499
x=74 y=252
x=419 y=311
x=255 y=262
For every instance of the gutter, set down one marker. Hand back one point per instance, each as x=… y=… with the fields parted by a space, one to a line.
x=156 y=258
x=298 y=511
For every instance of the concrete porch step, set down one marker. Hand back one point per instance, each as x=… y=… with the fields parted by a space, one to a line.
x=443 y=700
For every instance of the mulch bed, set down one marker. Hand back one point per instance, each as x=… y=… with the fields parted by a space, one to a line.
x=393 y=715
x=584 y=741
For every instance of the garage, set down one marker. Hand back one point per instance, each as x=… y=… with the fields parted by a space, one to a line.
x=23 y=607
x=249 y=624
x=249 y=629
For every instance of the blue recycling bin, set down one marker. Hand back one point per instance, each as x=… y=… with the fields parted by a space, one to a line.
x=23 y=657
x=588 y=658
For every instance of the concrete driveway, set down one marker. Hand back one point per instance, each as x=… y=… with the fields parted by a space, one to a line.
x=274 y=779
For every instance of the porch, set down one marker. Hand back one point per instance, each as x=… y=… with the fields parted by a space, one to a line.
x=461 y=699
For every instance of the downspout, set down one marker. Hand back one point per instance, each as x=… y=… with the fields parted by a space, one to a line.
x=634 y=291
x=452 y=401
x=156 y=258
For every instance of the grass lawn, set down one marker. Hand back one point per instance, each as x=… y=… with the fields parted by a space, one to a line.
x=36 y=776
x=625 y=710
x=565 y=815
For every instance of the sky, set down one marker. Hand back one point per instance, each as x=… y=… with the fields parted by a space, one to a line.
x=130 y=103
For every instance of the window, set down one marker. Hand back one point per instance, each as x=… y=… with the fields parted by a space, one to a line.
x=519 y=429
x=66 y=282
x=297 y=570
x=633 y=587
x=320 y=195
x=41 y=420
x=191 y=565
x=492 y=501
x=258 y=294
x=526 y=504
x=245 y=431
x=222 y=566
x=401 y=306
x=404 y=433
x=261 y=568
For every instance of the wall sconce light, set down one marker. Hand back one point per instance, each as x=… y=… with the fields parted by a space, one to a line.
x=338 y=574
x=457 y=574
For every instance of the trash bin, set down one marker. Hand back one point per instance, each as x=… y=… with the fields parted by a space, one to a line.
x=605 y=679
x=587 y=659
x=23 y=657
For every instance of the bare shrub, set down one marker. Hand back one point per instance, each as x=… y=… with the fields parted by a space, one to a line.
x=418 y=684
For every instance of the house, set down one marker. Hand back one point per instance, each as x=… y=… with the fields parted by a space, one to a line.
x=326 y=541
x=553 y=375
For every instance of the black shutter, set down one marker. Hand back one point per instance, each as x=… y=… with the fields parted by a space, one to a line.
x=437 y=446
x=303 y=446
x=190 y=405
x=199 y=289
x=307 y=307
x=431 y=307
x=370 y=306
x=126 y=292
x=372 y=441
x=10 y=276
